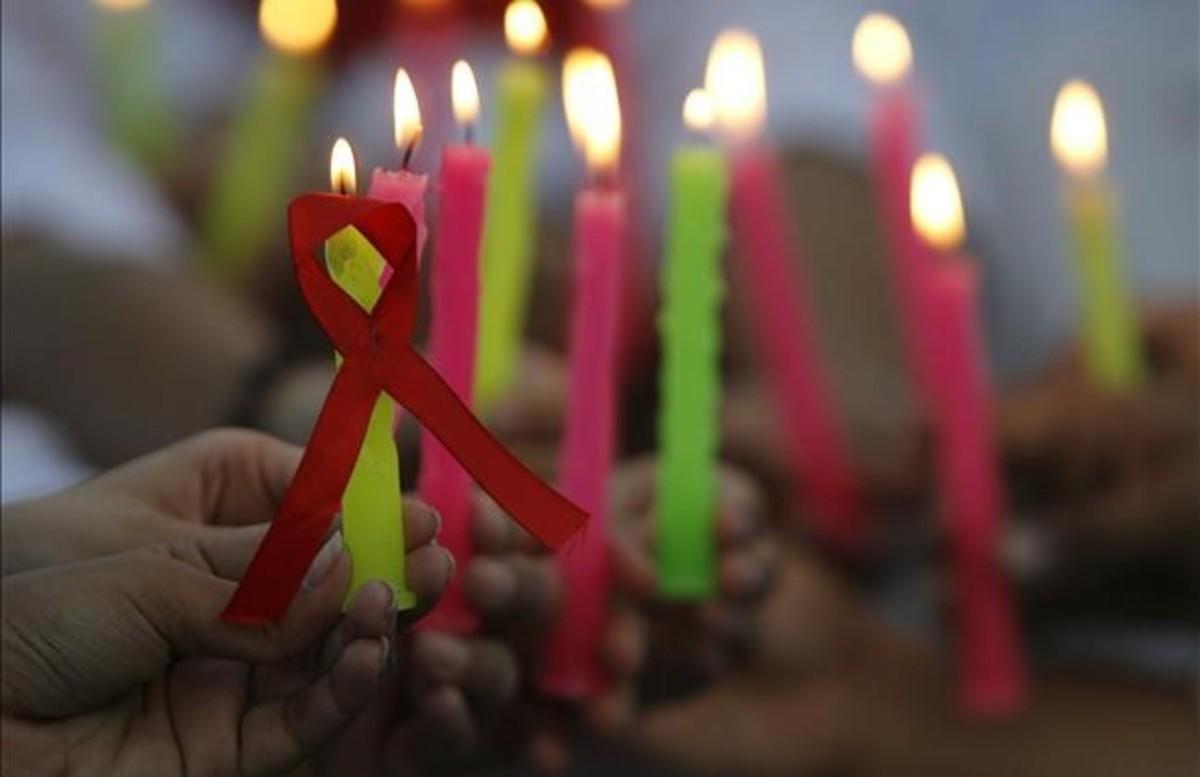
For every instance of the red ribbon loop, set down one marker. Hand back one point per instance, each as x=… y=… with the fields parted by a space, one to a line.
x=376 y=357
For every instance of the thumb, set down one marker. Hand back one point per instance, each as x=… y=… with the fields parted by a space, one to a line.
x=78 y=636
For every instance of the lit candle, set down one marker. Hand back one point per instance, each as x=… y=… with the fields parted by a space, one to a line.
x=372 y=512
x=255 y=174
x=991 y=668
x=403 y=185
x=771 y=277
x=883 y=55
x=138 y=112
x=690 y=329
x=1079 y=139
x=570 y=667
x=443 y=482
x=508 y=242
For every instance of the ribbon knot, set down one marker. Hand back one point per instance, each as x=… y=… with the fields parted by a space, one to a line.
x=376 y=357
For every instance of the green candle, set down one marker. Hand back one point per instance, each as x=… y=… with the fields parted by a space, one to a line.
x=137 y=109
x=507 y=250
x=690 y=330
x=257 y=170
x=1110 y=332
x=372 y=505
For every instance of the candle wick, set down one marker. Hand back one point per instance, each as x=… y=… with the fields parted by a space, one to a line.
x=408 y=154
x=469 y=133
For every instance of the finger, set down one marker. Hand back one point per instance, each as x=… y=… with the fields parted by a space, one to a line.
x=421 y=523
x=279 y=735
x=635 y=574
x=515 y=588
x=742 y=507
x=442 y=731
x=494 y=532
x=484 y=669
x=747 y=573
x=624 y=649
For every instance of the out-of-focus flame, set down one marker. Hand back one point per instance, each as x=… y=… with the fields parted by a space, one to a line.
x=881 y=49
x=737 y=84
x=464 y=93
x=121 y=5
x=593 y=109
x=1078 y=134
x=343 y=173
x=297 y=26
x=406 y=112
x=606 y=5
x=698 y=112
x=524 y=27
x=936 y=204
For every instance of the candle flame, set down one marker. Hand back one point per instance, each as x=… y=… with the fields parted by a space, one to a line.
x=121 y=5
x=406 y=113
x=524 y=27
x=464 y=93
x=736 y=82
x=343 y=173
x=698 y=112
x=593 y=108
x=297 y=26
x=1078 y=134
x=881 y=49
x=936 y=204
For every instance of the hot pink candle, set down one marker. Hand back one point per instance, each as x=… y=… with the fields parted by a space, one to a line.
x=778 y=304
x=570 y=664
x=570 y=668
x=443 y=483
x=404 y=186
x=991 y=669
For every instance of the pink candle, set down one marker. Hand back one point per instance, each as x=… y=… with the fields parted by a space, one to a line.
x=770 y=275
x=991 y=669
x=443 y=483
x=570 y=664
x=778 y=304
x=404 y=186
x=883 y=54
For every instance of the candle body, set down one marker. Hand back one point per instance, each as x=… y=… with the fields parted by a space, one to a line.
x=570 y=666
x=1112 y=345
x=408 y=189
x=508 y=244
x=443 y=483
x=691 y=338
x=770 y=274
x=256 y=172
x=372 y=507
x=138 y=111
x=894 y=133
x=991 y=668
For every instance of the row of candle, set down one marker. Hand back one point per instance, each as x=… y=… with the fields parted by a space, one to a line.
x=486 y=225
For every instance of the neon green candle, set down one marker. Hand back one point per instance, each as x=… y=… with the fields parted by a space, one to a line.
x=372 y=507
x=256 y=172
x=137 y=108
x=1080 y=141
x=690 y=331
x=507 y=253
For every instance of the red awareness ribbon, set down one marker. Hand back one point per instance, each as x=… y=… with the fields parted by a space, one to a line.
x=376 y=357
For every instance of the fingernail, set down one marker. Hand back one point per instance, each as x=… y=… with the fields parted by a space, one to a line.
x=385 y=655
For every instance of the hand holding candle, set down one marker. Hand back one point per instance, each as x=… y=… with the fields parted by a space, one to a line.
x=1080 y=141
x=991 y=668
x=455 y=287
x=570 y=666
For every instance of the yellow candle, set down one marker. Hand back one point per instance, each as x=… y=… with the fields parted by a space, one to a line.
x=372 y=507
x=1079 y=139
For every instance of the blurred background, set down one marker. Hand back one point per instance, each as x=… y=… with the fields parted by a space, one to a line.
x=117 y=123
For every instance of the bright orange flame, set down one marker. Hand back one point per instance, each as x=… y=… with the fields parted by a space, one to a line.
x=464 y=93
x=343 y=172
x=406 y=112
x=297 y=26
x=936 y=204
x=737 y=84
x=698 y=112
x=881 y=49
x=1078 y=133
x=524 y=27
x=593 y=108
x=121 y=5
